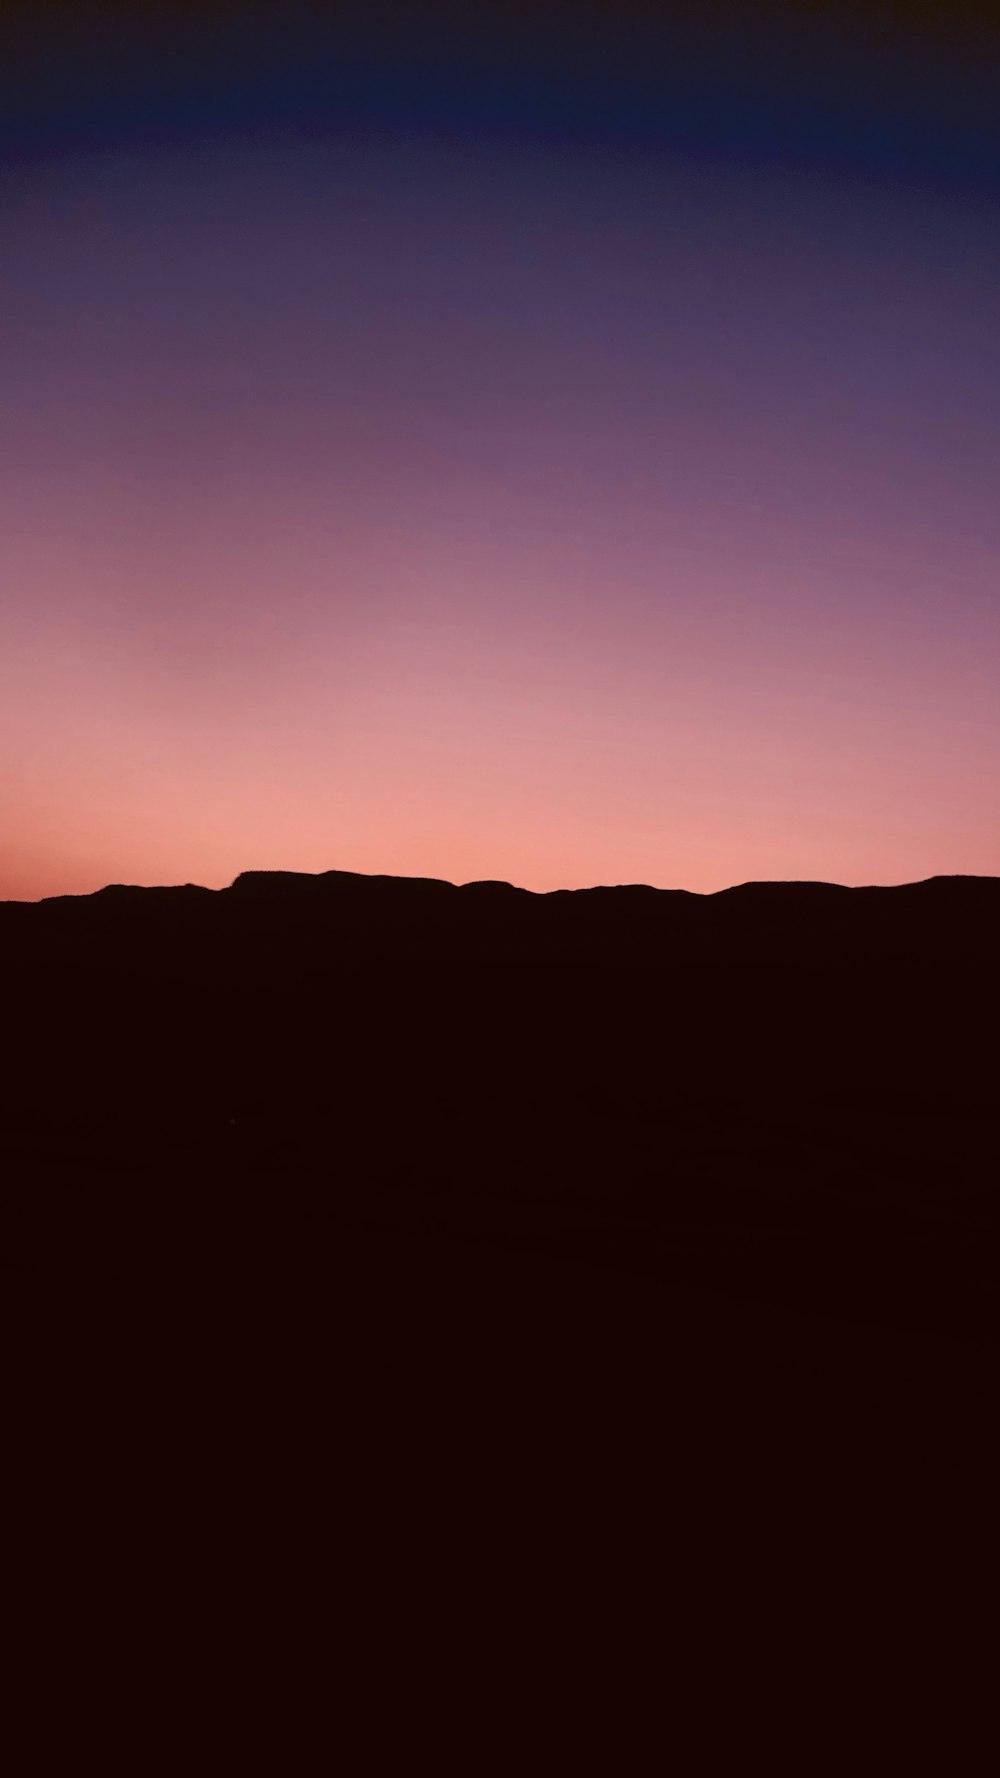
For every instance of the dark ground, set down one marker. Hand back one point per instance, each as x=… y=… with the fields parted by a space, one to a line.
x=784 y=1095
x=577 y=1243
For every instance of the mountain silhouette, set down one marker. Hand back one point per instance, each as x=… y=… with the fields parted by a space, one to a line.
x=779 y=1097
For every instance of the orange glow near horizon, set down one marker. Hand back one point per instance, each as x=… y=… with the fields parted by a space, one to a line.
x=572 y=560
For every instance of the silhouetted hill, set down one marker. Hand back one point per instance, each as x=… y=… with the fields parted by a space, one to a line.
x=782 y=1093
x=944 y=917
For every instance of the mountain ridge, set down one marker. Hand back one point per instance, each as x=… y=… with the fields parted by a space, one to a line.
x=352 y=916
x=780 y=1093
x=248 y=879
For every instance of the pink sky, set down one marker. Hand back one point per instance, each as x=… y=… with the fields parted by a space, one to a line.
x=473 y=536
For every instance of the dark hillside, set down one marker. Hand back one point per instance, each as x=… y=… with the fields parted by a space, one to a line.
x=783 y=1094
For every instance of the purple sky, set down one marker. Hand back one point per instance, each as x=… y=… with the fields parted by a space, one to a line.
x=460 y=502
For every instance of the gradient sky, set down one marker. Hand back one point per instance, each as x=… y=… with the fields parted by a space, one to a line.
x=560 y=447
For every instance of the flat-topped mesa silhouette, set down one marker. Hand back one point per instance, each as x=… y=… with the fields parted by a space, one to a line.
x=780 y=1090
x=957 y=916
x=776 y=894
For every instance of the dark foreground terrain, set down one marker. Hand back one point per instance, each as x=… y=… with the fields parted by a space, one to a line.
x=782 y=1096
x=609 y=1278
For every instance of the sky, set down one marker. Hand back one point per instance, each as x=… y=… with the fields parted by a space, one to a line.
x=560 y=445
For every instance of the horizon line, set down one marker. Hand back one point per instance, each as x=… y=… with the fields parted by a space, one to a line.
x=504 y=883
